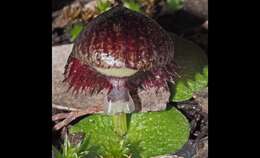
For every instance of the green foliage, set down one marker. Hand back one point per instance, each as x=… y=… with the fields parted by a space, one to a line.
x=193 y=64
x=174 y=5
x=68 y=150
x=149 y=134
x=75 y=31
x=103 y=5
x=131 y=4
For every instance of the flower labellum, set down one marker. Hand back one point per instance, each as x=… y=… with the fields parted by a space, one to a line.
x=121 y=50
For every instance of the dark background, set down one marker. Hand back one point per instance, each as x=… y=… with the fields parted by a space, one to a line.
x=26 y=79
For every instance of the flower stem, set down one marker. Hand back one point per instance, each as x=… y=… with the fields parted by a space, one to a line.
x=120 y=123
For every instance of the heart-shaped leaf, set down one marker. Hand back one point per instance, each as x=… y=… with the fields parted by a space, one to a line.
x=149 y=134
x=193 y=64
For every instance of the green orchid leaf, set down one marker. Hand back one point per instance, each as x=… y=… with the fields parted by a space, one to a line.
x=158 y=133
x=149 y=134
x=101 y=135
x=193 y=70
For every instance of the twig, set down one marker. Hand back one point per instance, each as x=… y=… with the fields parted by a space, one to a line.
x=69 y=117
